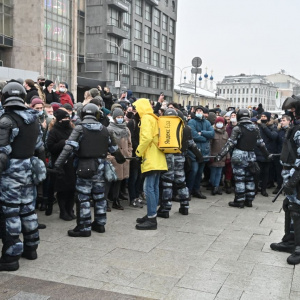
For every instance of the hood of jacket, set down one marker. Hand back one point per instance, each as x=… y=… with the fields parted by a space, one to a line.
x=143 y=107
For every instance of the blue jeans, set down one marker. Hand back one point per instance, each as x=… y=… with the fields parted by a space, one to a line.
x=195 y=176
x=215 y=175
x=151 y=190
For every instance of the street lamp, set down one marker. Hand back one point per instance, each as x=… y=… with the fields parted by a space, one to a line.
x=181 y=70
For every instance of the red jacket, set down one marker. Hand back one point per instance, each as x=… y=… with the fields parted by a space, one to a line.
x=64 y=98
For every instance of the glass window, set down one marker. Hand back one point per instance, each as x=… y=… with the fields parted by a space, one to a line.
x=112 y=71
x=163 y=82
x=114 y=17
x=169 y=84
x=164 y=42
x=154 y=82
x=172 y=26
x=137 y=53
x=138 y=7
x=165 y=22
x=171 y=46
x=155 y=59
x=112 y=46
x=156 y=17
x=146 y=80
x=147 y=35
x=163 y=62
x=136 y=77
x=148 y=13
x=170 y=64
x=147 y=58
x=156 y=38
x=138 y=30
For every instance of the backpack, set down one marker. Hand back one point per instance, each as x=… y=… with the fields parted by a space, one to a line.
x=170 y=134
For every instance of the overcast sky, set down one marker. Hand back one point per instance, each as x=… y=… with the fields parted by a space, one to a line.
x=239 y=36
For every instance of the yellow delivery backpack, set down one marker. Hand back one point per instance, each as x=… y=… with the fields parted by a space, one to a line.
x=170 y=134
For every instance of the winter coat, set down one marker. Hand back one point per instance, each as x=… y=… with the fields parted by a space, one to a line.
x=56 y=139
x=229 y=128
x=32 y=92
x=202 y=140
x=51 y=97
x=152 y=158
x=269 y=134
x=123 y=141
x=64 y=98
x=280 y=138
x=216 y=144
x=107 y=98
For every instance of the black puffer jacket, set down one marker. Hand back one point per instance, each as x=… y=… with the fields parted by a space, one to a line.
x=32 y=92
x=55 y=142
x=51 y=97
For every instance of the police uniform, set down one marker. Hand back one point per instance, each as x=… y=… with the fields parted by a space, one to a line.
x=20 y=139
x=90 y=141
x=244 y=137
x=290 y=159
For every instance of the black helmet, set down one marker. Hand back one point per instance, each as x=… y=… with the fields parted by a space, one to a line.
x=243 y=113
x=89 y=109
x=170 y=112
x=13 y=94
x=290 y=102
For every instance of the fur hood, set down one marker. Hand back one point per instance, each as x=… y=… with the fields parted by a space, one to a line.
x=270 y=123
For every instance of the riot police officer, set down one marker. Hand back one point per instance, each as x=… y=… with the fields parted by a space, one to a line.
x=290 y=159
x=20 y=139
x=90 y=141
x=244 y=137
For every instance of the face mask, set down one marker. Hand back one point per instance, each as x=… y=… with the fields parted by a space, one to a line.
x=233 y=120
x=119 y=120
x=199 y=116
x=285 y=127
x=264 y=121
x=129 y=115
x=219 y=125
x=62 y=90
x=41 y=83
x=65 y=123
x=41 y=112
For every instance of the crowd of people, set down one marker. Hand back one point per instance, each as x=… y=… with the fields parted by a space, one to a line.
x=99 y=151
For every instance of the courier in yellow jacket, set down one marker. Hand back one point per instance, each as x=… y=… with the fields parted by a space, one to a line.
x=153 y=162
x=152 y=158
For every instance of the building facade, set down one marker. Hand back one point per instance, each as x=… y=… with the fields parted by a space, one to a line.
x=248 y=91
x=130 y=44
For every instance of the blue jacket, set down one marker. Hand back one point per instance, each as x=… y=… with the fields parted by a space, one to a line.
x=202 y=140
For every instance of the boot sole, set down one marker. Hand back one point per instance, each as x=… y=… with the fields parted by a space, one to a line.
x=13 y=266
x=88 y=234
x=145 y=228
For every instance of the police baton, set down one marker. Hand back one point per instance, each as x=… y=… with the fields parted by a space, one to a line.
x=279 y=192
x=131 y=158
x=206 y=157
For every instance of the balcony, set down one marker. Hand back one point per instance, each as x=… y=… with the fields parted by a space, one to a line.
x=118 y=4
x=117 y=32
x=149 y=68
x=153 y=2
x=114 y=57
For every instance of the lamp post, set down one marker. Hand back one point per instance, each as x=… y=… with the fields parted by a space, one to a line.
x=181 y=70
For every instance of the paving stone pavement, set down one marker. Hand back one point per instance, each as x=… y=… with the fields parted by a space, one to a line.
x=216 y=252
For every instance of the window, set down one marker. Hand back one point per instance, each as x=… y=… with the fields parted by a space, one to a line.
x=167 y=3
x=148 y=12
x=147 y=35
x=154 y=82
x=171 y=46
x=165 y=22
x=169 y=84
x=170 y=64
x=155 y=59
x=112 y=71
x=147 y=58
x=136 y=77
x=138 y=7
x=156 y=38
x=112 y=46
x=137 y=53
x=164 y=42
x=156 y=17
x=138 y=30
x=172 y=26
x=255 y=90
x=163 y=82
x=146 y=80
x=114 y=17
x=163 y=62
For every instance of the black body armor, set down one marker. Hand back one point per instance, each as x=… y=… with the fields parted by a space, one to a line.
x=247 y=140
x=289 y=148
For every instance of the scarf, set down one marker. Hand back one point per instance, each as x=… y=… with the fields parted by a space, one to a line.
x=119 y=130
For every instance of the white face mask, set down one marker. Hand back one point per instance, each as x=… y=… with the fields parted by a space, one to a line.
x=62 y=90
x=219 y=125
x=233 y=120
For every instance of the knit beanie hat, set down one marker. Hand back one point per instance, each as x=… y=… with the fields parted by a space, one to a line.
x=114 y=106
x=94 y=92
x=61 y=114
x=67 y=106
x=220 y=119
x=55 y=106
x=48 y=82
x=267 y=114
x=117 y=112
x=36 y=101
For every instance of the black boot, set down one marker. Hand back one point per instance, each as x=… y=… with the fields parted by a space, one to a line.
x=49 y=206
x=116 y=205
x=238 y=204
x=219 y=191
x=275 y=192
x=198 y=195
x=98 y=228
x=294 y=259
x=62 y=207
x=29 y=252
x=184 y=210
x=264 y=193
x=161 y=213
x=77 y=233
x=248 y=203
x=214 y=190
x=149 y=224
x=70 y=206
x=142 y=220
x=9 y=263
x=228 y=189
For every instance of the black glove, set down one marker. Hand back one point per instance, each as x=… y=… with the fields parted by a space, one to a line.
x=218 y=158
x=120 y=159
x=139 y=159
x=199 y=157
x=270 y=157
x=288 y=190
x=58 y=170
